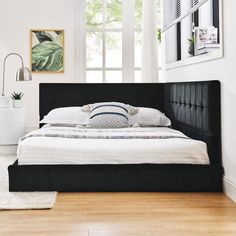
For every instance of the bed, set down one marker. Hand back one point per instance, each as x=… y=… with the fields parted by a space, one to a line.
x=194 y=109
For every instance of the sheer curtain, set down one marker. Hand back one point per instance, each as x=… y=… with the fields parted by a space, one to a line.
x=149 y=43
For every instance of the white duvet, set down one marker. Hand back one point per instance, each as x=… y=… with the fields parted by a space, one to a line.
x=120 y=146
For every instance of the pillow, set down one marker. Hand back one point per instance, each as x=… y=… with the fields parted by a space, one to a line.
x=108 y=115
x=131 y=110
x=149 y=117
x=66 y=116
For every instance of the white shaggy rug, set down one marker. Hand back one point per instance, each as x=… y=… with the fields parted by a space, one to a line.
x=21 y=200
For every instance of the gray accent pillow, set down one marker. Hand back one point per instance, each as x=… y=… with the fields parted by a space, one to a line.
x=108 y=115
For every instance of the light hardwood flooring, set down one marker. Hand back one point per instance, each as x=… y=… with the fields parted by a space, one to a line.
x=126 y=214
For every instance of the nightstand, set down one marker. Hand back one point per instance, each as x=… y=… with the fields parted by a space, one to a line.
x=12 y=128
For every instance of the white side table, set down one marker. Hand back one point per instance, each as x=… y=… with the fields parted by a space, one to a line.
x=12 y=128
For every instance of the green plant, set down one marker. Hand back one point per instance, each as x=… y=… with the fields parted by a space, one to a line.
x=17 y=96
x=191 y=41
x=159 y=35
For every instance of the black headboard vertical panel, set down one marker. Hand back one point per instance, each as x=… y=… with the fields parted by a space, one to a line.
x=194 y=108
x=63 y=95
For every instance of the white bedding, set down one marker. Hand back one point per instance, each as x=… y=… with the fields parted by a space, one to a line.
x=160 y=146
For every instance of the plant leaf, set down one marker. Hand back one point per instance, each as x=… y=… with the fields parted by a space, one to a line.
x=47 y=56
x=42 y=36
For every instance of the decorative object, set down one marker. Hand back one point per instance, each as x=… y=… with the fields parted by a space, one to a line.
x=159 y=35
x=21 y=200
x=191 y=46
x=206 y=39
x=47 y=51
x=17 y=99
x=23 y=74
x=13 y=127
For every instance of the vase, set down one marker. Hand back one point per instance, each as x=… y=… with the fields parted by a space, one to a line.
x=191 y=49
x=17 y=103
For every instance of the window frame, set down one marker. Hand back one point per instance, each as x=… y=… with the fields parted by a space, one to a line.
x=104 y=31
x=128 y=29
x=217 y=22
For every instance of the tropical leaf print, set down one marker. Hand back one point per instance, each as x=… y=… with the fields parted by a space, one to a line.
x=47 y=55
x=43 y=36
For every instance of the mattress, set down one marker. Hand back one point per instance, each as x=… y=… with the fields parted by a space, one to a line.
x=52 y=145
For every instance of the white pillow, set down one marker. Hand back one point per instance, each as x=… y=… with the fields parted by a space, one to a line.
x=149 y=117
x=66 y=116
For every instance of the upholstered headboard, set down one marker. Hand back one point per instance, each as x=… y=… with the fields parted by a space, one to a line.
x=59 y=95
x=193 y=107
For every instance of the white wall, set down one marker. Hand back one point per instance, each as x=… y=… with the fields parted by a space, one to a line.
x=224 y=70
x=17 y=18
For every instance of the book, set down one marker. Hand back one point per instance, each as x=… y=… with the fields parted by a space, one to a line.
x=212 y=45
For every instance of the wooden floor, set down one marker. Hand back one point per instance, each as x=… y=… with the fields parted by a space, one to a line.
x=126 y=214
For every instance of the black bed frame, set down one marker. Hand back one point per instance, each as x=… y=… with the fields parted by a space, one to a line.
x=194 y=109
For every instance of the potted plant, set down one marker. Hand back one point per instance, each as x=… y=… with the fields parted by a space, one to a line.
x=191 y=46
x=17 y=99
x=159 y=35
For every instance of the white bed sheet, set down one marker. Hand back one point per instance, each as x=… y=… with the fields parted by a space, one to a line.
x=72 y=151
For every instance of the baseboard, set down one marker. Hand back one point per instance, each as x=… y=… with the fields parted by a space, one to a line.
x=229 y=189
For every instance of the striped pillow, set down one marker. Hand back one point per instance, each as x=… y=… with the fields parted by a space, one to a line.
x=108 y=115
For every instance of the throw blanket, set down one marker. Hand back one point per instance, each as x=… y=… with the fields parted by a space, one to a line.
x=80 y=146
x=123 y=133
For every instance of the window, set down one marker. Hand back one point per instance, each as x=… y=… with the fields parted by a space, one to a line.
x=113 y=40
x=180 y=35
x=104 y=40
x=177 y=10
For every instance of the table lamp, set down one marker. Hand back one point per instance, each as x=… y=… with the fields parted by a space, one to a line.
x=22 y=74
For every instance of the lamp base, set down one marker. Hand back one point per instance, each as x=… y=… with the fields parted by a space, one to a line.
x=4 y=102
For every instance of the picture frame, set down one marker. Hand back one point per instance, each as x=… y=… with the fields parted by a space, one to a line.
x=47 y=49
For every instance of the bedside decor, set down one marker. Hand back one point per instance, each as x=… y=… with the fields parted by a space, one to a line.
x=23 y=74
x=206 y=39
x=47 y=51
x=17 y=99
x=191 y=46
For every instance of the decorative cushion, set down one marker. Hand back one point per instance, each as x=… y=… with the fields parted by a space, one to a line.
x=108 y=115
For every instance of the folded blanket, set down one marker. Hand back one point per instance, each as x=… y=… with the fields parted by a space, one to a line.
x=123 y=133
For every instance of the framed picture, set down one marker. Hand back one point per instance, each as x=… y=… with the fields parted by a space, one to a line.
x=47 y=51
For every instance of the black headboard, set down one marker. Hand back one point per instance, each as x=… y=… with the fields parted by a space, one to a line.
x=63 y=95
x=193 y=107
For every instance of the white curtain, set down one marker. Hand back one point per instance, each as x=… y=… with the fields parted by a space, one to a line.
x=149 y=43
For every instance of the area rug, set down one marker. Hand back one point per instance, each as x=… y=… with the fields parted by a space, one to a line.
x=21 y=200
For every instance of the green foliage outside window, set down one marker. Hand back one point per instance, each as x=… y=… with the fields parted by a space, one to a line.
x=113 y=19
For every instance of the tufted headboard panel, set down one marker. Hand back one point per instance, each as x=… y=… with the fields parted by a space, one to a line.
x=194 y=108
x=63 y=95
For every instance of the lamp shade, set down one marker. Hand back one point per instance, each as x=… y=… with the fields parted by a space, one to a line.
x=23 y=74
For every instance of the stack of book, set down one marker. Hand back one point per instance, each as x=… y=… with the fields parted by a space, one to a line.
x=205 y=40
